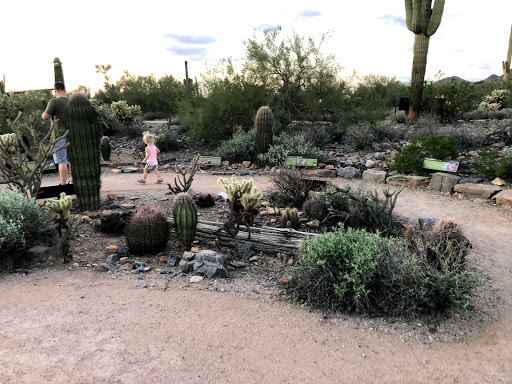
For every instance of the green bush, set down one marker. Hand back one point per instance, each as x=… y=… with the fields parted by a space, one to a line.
x=290 y=145
x=240 y=147
x=410 y=160
x=167 y=141
x=106 y=117
x=353 y=270
x=26 y=102
x=492 y=163
x=440 y=147
x=21 y=220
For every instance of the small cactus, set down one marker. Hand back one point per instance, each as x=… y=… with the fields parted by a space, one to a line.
x=147 y=231
x=290 y=218
x=106 y=148
x=185 y=219
x=264 y=125
x=61 y=207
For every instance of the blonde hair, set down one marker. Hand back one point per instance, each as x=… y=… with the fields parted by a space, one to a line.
x=148 y=138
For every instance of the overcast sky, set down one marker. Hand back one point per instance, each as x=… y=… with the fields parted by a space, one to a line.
x=145 y=37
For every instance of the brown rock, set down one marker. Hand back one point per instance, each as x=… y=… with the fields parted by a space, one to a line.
x=194 y=249
x=163 y=259
x=504 y=198
x=111 y=249
x=112 y=196
x=116 y=171
x=127 y=266
x=285 y=279
x=497 y=181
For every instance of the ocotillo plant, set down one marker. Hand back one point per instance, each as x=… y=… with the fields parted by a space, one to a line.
x=263 y=125
x=185 y=219
x=423 y=20
x=506 y=63
x=58 y=71
x=84 y=151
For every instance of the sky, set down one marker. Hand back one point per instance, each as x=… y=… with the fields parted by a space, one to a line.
x=156 y=37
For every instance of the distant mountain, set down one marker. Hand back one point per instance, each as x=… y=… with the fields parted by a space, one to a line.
x=493 y=77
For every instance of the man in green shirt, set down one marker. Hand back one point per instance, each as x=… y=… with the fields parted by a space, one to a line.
x=57 y=110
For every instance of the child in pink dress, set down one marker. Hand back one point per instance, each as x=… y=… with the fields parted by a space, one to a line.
x=150 y=160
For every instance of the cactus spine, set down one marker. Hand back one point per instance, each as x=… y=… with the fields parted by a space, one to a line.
x=185 y=218
x=290 y=218
x=58 y=71
x=423 y=20
x=506 y=63
x=147 y=231
x=264 y=125
x=84 y=144
x=106 y=148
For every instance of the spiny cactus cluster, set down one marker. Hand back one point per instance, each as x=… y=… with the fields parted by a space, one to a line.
x=61 y=207
x=263 y=125
x=147 y=231
x=245 y=193
x=290 y=218
x=8 y=141
x=106 y=148
x=84 y=140
x=185 y=219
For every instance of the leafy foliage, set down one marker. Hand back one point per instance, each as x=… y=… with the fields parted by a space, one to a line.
x=288 y=144
x=492 y=163
x=410 y=159
x=21 y=221
x=240 y=147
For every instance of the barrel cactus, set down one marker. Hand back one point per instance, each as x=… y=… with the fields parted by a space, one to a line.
x=263 y=125
x=58 y=71
x=147 y=231
x=84 y=147
x=106 y=148
x=185 y=218
x=290 y=218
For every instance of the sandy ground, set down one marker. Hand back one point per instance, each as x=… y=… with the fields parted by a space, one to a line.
x=62 y=326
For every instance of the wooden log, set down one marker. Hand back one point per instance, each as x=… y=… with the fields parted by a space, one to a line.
x=263 y=239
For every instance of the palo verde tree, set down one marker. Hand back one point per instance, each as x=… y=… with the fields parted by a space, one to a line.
x=295 y=71
x=423 y=20
x=506 y=63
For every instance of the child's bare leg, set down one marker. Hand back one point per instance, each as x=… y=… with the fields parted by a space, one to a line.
x=157 y=173
x=145 y=175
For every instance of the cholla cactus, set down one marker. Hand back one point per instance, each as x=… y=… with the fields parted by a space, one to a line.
x=8 y=141
x=61 y=207
x=494 y=101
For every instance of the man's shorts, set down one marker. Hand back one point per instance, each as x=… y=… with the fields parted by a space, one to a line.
x=61 y=156
x=147 y=166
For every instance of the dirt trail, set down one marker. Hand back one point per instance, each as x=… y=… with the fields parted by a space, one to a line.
x=60 y=326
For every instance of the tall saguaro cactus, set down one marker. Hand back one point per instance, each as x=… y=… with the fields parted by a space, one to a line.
x=423 y=20
x=58 y=71
x=506 y=63
x=84 y=151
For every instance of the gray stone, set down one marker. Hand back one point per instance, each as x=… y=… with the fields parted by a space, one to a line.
x=374 y=176
x=187 y=255
x=102 y=267
x=172 y=262
x=130 y=170
x=370 y=164
x=443 y=182
x=348 y=172
x=426 y=224
x=482 y=190
x=40 y=253
x=471 y=180
x=212 y=270
x=207 y=256
x=313 y=224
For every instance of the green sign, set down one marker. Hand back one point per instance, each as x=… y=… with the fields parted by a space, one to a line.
x=438 y=165
x=205 y=160
x=49 y=166
x=301 y=161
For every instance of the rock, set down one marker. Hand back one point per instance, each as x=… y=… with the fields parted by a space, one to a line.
x=116 y=171
x=504 y=198
x=238 y=264
x=426 y=224
x=196 y=279
x=40 y=253
x=482 y=190
x=163 y=259
x=102 y=268
x=285 y=279
x=378 y=156
x=370 y=164
x=443 y=182
x=127 y=266
x=111 y=249
x=188 y=255
x=474 y=154
x=112 y=196
x=245 y=251
x=128 y=206
x=348 y=172
x=141 y=267
x=330 y=166
x=246 y=164
x=374 y=176
x=313 y=224
x=172 y=261
x=194 y=249
x=114 y=258
x=207 y=256
x=408 y=181
x=471 y=180
x=497 y=181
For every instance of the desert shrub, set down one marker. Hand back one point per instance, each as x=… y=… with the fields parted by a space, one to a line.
x=410 y=160
x=125 y=113
x=359 y=136
x=240 y=147
x=439 y=147
x=354 y=270
x=360 y=208
x=106 y=117
x=319 y=136
x=492 y=163
x=167 y=141
x=400 y=118
x=26 y=102
x=427 y=125
x=21 y=221
x=287 y=145
x=466 y=138
x=290 y=189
